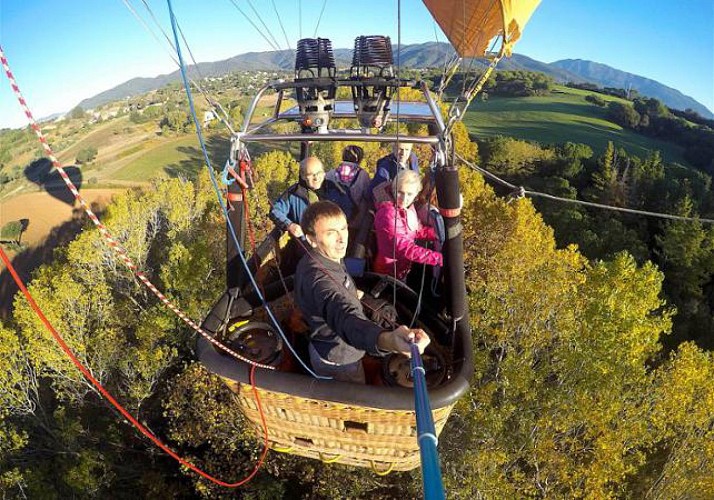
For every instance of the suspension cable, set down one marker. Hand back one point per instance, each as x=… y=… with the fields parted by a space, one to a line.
x=224 y=209
x=282 y=28
x=521 y=191
x=270 y=33
x=396 y=158
x=226 y=120
x=113 y=244
x=322 y=11
x=273 y=46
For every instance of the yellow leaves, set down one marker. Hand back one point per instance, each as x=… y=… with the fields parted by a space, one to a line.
x=513 y=156
x=685 y=389
x=16 y=380
x=620 y=320
x=82 y=313
x=562 y=383
x=463 y=145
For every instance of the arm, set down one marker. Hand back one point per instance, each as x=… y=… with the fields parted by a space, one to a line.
x=280 y=211
x=426 y=233
x=408 y=249
x=396 y=239
x=398 y=340
x=381 y=174
x=343 y=314
x=280 y=215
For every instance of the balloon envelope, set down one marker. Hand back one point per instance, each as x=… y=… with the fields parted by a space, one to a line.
x=471 y=24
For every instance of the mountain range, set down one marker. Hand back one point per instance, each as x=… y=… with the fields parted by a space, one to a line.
x=423 y=55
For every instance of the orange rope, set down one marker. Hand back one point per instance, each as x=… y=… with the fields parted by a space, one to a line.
x=120 y=251
x=146 y=432
x=248 y=221
x=246 y=213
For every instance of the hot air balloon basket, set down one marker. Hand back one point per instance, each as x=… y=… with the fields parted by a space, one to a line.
x=383 y=440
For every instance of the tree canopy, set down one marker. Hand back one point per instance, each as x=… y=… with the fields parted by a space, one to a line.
x=574 y=394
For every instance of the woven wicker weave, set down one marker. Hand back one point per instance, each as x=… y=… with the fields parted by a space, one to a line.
x=384 y=440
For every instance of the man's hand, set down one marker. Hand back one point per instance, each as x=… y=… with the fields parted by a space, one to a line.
x=399 y=340
x=295 y=230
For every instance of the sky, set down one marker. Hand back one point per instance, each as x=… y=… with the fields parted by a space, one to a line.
x=62 y=52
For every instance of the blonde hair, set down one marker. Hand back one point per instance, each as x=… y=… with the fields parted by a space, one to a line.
x=406 y=177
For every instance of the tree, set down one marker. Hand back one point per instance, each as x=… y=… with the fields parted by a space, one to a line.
x=683 y=423
x=514 y=157
x=12 y=231
x=654 y=108
x=685 y=251
x=623 y=114
x=569 y=162
x=596 y=100
x=177 y=120
x=18 y=398
x=86 y=155
x=562 y=348
x=77 y=113
x=119 y=331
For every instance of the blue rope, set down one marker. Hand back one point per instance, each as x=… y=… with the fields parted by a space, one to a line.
x=426 y=433
x=220 y=199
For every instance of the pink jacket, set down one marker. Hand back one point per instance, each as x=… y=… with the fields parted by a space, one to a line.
x=398 y=240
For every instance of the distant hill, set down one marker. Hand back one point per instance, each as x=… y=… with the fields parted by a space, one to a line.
x=423 y=55
x=605 y=76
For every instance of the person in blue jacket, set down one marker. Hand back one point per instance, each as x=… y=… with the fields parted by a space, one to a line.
x=312 y=186
x=291 y=205
x=401 y=158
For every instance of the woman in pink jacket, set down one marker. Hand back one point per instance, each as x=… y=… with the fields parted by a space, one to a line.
x=397 y=226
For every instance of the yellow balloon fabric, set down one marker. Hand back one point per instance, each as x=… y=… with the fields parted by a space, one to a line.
x=471 y=24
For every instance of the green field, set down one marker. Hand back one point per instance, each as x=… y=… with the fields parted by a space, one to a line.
x=179 y=157
x=563 y=116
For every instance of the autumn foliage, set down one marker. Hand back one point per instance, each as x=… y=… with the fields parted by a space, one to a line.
x=572 y=397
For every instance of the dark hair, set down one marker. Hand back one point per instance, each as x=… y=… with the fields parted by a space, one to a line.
x=353 y=154
x=324 y=209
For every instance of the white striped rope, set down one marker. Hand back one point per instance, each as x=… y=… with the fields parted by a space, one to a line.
x=111 y=242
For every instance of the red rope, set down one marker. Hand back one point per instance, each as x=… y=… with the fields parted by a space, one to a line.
x=248 y=221
x=246 y=212
x=146 y=432
x=111 y=242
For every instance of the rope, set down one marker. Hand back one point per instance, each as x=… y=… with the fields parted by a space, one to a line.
x=246 y=213
x=111 y=242
x=526 y=192
x=274 y=47
x=224 y=209
x=226 y=120
x=282 y=28
x=107 y=395
x=394 y=189
x=270 y=33
x=322 y=11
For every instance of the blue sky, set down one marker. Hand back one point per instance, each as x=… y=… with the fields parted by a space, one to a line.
x=64 y=51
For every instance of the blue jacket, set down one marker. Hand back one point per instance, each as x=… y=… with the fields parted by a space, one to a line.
x=387 y=168
x=290 y=206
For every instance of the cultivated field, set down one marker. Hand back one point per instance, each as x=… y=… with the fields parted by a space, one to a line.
x=563 y=116
x=46 y=211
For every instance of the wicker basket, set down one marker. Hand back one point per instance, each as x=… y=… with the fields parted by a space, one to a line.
x=384 y=440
